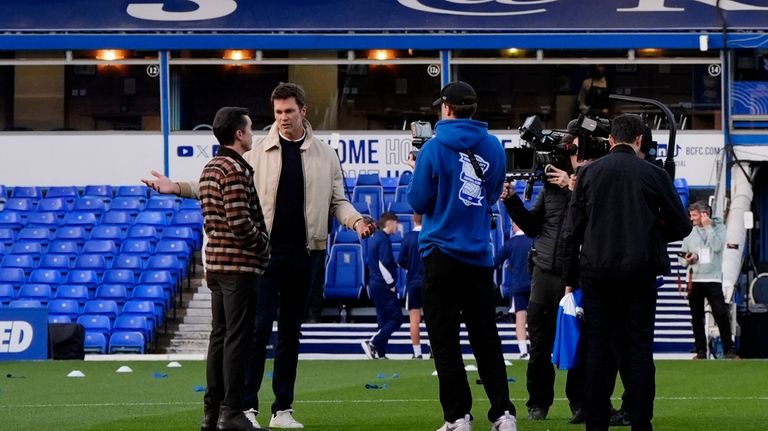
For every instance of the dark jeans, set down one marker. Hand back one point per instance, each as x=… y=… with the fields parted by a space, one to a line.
x=619 y=319
x=713 y=293
x=233 y=305
x=315 y=307
x=456 y=291
x=389 y=316
x=282 y=296
x=546 y=291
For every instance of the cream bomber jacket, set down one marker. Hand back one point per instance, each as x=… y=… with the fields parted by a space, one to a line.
x=323 y=184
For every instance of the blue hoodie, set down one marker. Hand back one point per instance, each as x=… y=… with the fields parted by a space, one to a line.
x=446 y=191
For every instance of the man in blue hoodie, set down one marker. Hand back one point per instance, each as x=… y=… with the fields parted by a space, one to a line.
x=382 y=287
x=458 y=176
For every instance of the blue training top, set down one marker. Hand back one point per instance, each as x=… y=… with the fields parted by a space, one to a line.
x=382 y=268
x=410 y=259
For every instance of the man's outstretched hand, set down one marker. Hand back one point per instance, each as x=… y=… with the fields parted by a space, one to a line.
x=161 y=184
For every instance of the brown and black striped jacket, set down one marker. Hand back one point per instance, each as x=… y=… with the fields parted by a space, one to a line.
x=237 y=235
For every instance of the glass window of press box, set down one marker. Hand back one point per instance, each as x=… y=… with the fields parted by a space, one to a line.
x=346 y=90
x=45 y=91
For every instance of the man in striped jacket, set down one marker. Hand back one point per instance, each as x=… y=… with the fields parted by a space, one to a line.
x=236 y=255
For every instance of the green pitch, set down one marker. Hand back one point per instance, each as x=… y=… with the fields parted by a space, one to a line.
x=331 y=395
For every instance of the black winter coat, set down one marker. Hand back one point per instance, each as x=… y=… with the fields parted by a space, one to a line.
x=623 y=213
x=543 y=222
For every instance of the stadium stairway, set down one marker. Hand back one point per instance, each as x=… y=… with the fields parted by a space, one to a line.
x=672 y=335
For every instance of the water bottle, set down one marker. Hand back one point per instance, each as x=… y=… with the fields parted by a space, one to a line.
x=343 y=314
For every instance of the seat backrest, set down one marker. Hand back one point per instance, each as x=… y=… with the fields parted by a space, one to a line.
x=54 y=205
x=136 y=246
x=66 y=192
x=191 y=218
x=368 y=180
x=95 y=342
x=78 y=292
x=11 y=219
x=7 y=293
x=32 y=247
x=46 y=219
x=25 y=303
x=89 y=204
x=100 y=246
x=115 y=292
x=372 y=196
x=23 y=262
x=13 y=276
x=154 y=218
x=8 y=236
x=139 y=191
x=47 y=276
x=119 y=276
x=172 y=246
x=117 y=217
x=63 y=246
x=75 y=233
x=126 y=341
x=96 y=323
x=88 y=277
x=139 y=231
x=128 y=261
x=40 y=292
x=60 y=262
x=32 y=192
x=105 y=307
x=81 y=219
x=23 y=205
x=108 y=232
x=344 y=272
x=67 y=307
x=102 y=191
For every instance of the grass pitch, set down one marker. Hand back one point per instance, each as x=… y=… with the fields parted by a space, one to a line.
x=332 y=395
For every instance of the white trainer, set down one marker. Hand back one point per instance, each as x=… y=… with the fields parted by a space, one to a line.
x=284 y=419
x=250 y=414
x=461 y=424
x=505 y=423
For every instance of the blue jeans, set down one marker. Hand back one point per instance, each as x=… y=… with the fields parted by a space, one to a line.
x=282 y=295
x=389 y=316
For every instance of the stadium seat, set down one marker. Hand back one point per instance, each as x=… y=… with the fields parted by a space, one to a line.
x=51 y=277
x=96 y=323
x=25 y=303
x=372 y=196
x=86 y=220
x=189 y=218
x=345 y=272
x=78 y=292
x=23 y=262
x=123 y=219
x=13 y=276
x=64 y=307
x=139 y=191
x=40 y=234
x=127 y=342
x=95 y=342
x=63 y=246
x=347 y=236
x=163 y=278
x=151 y=292
x=131 y=205
x=166 y=206
x=147 y=309
x=67 y=193
x=187 y=234
x=23 y=206
x=93 y=205
x=59 y=318
x=32 y=192
x=58 y=206
x=28 y=247
x=190 y=204
x=73 y=233
x=46 y=220
x=11 y=220
x=8 y=236
x=103 y=247
x=168 y=263
x=362 y=208
x=7 y=293
x=114 y=292
x=87 y=277
x=368 y=180
x=103 y=192
x=58 y=262
x=119 y=276
x=140 y=231
x=140 y=247
x=136 y=323
x=405 y=178
x=39 y=292
x=404 y=214
x=133 y=262
x=101 y=306
x=110 y=232
x=177 y=248
x=153 y=218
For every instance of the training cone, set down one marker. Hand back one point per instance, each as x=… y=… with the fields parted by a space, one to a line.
x=75 y=373
x=173 y=364
x=434 y=373
x=124 y=369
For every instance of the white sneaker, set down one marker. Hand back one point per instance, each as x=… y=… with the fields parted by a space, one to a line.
x=462 y=424
x=284 y=419
x=505 y=423
x=250 y=414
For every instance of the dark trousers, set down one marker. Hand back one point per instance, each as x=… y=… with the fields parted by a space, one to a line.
x=315 y=306
x=546 y=291
x=713 y=293
x=282 y=295
x=233 y=305
x=618 y=323
x=456 y=291
x=389 y=316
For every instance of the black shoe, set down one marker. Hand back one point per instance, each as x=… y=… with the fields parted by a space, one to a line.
x=620 y=419
x=731 y=354
x=579 y=416
x=233 y=420
x=210 y=417
x=537 y=413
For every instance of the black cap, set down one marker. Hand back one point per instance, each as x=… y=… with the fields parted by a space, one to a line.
x=457 y=93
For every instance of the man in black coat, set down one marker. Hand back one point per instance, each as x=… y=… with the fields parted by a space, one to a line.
x=622 y=213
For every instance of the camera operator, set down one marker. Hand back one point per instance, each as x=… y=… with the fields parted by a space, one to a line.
x=622 y=214
x=544 y=222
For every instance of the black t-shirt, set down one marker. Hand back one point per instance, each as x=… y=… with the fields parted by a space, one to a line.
x=289 y=226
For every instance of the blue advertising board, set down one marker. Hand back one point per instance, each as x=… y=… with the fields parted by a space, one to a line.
x=23 y=334
x=381 y=15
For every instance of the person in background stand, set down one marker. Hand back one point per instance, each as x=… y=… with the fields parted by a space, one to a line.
x=514 y=257
x=703 y=254
x=299 y=182
x=593 y=93
x=383 y=287
x=458 y=175
x=410 y=260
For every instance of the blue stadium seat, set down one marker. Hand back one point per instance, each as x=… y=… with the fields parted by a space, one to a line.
x=51 y=277
x=127 y=342
x=28 y=247
x=58 y=206
x=32 y=192
x=7 y=293
x=119 y=276
x=140 y=231
x=78 y=292
x=86 y=220
x=164 y=205
x=103 y=192
x=11 y=220
x=168 y=263
x=103 y=247
x=23 y=206
x=405 y=178
x=58 y=262
x=192 y=238
x=141 y=247
x=153 y=218
x=114 y=292
x=95 y=343
x=8 y=236
x=190 y=204
x=177 y=248
x=42 y=220
x=39 y=292
x=189 y=218
x=94 y=205
x=389 y=185
x=101 y=306
x=23 y=262
x=151 y=292
x=133 y=262
x=681 y=186
x=64 y=246
x=372 y=196
x=139 y=191
x=73 y=233
x=40 y=234
x=134 y=323
x=13 y=276
x=368 y=180
x=404 y=214
x=347 y=236
x=87 y=277
x=65 y=307
x=110 y=232
x=345 y=272
x=59 y=318
x=67 y=193
x=25 y=303
x=148 y=309
x=132 y=205
x=163 y=278
x=362 y=208
x=96 y=323
x=124 y=219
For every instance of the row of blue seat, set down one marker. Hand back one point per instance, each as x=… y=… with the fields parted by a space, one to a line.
x=166 y=203
x=17 y=220
x=95 y=190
